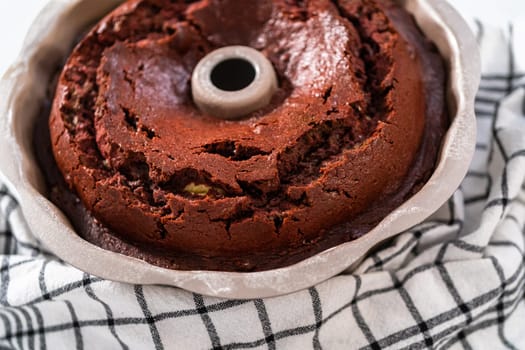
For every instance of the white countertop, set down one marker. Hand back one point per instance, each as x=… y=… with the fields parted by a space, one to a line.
x=16 y=17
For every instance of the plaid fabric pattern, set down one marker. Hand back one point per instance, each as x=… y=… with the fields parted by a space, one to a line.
x=455 y=281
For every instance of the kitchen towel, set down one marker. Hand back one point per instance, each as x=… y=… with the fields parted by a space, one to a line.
x=455 y=281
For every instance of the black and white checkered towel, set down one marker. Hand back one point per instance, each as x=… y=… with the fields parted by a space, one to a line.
x=454 y=281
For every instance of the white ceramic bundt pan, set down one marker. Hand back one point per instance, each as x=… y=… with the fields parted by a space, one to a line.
x=50 y=38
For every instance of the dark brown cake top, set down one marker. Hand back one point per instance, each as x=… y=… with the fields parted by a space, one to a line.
x=341 y=133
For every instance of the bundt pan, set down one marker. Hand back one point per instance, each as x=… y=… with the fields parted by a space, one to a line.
x=23 y=90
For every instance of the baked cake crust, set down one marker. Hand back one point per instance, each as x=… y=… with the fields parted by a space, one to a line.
x=354 y=130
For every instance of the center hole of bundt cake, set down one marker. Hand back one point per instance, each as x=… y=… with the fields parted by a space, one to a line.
x=233 y=74
x=232 y=82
